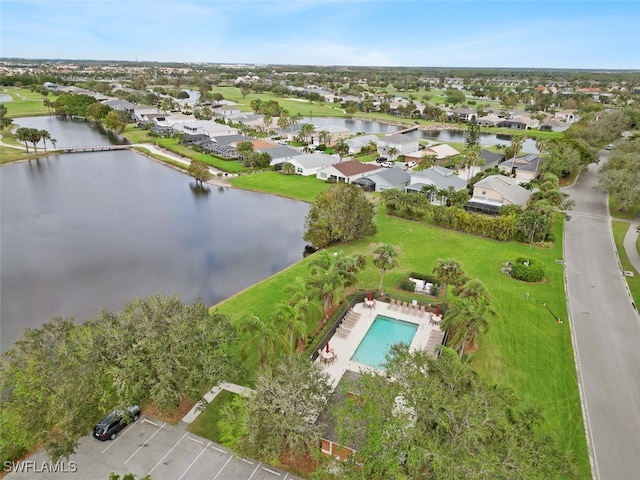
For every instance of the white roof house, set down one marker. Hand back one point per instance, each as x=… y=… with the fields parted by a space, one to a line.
x=206 y=127
x=402 y=143
x=357 y=143
x=310 y=163
x=495 y=191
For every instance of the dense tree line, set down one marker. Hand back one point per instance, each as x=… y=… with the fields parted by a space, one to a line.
x=58 y=380
x=621 y=174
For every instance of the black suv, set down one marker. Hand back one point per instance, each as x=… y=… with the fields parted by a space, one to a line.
x=109 y=426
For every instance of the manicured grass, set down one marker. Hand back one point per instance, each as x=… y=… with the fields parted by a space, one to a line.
x=525 y=347
x=206 y=424
x=171 y=144
x=291 y=186
x=25 y=103
x=619 y=231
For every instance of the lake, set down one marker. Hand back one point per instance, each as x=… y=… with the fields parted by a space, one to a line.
x=355 y=125
x=88 y=231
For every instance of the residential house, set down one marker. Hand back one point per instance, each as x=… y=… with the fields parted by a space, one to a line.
x=279 y=154
x=356 y=144
x=336 y=132
x=524 y=168
x=385 y=179
x=495 y=191
x=462 y=114
x=207 y=127
x=442 y=151
x=440 y=177
x=520 y=122
x=125 y=106
x=329 y=439
x=490 y=120
x=570 y=116
x=308 y=164
x=227 y=110
x=348 y=171
x=402 y=143
x=491 y=159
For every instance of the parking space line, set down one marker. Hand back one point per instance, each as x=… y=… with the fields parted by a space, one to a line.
x=272 y=471
x=254 y=472
x=167 y=454
x=196 y=440
x=246 y=461
x=220 y=471
x=149 y=421
x=145 y=442
x=129 y=427
x=219 y=449
x=194 y=460
x=285 y=477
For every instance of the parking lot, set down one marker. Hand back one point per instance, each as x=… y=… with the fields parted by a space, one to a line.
x=150 y=447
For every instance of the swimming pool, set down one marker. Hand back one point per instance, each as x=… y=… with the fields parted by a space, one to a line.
x=383 y=332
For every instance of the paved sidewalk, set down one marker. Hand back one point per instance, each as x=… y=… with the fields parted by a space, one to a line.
x=210 y=395
x=630 y=243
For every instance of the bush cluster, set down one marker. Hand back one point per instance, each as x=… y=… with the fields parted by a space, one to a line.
x=527 y=270
x=499 y=228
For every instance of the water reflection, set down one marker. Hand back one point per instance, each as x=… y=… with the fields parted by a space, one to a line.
x=87 y=231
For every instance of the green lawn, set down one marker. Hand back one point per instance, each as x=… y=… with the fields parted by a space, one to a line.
x=525 y=347
x=291 y=186
x=206 y=424
x=25 y=102
x=620 y=229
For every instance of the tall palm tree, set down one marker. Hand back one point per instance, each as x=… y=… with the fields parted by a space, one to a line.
x=341 y=148
x=465 y=321
x=289 y=319
x=324 y=137
x=427 y=161
x=384 y=258
x=326 y=279
x=430 y=190
x=306 y=130
x=475 y=291
x=513 y=150
x=262 y=336
x=45 y=135
x=393 y=151
x=372 y=146
x=304 y=301
x=449 y=272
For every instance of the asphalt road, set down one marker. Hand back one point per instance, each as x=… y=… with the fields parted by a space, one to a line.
x=606 y=334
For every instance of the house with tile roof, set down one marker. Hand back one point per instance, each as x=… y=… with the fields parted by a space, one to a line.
x=385 y=179
x=440 y=177
x=402 y=143
x=347 y=172
x=524 y=168
x=495 y=191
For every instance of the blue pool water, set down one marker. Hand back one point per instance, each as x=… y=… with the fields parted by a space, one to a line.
x=383 y=333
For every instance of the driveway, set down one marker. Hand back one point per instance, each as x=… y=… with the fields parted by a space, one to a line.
x=149 y=446
x=606 y=334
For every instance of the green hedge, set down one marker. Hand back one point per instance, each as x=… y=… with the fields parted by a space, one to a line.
x=527 y=270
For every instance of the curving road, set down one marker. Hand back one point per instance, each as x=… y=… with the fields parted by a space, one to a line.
x=606 y=334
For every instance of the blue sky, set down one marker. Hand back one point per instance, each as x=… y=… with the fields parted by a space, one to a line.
x=452 y=33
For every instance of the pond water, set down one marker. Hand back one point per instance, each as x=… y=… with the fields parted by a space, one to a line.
x=88 y=231
x=447 y=135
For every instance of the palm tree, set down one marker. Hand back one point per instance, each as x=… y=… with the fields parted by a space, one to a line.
x=288 y=317
x=427 y=161
x=472 y=158
x=430 y=190
x=326 y=279
x=45 y=135
x=447 y=271
x=392 y=152
x=262 y=336
x=306 y=130
x=341 y=148
x=324 y=137
x=465 y=321
x=304 y=300
x=384 y=258
x=516 y=145
x=475 y=291
x=372 y=147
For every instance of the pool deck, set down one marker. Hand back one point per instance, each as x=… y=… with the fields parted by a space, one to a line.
x=346 y=347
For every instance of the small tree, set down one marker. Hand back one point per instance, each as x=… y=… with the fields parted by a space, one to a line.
x=448 y=272
x=200 y=171
x=384 y=258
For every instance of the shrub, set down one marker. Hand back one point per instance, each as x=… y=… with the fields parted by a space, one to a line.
x=527 y=270
x=407 y=285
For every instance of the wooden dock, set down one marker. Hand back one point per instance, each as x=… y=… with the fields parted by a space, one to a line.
x=94 y=148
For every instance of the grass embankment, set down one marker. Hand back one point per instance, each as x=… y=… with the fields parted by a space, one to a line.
x=525 y=347
x=290 y=186
x=25 y=103
x=620 y=229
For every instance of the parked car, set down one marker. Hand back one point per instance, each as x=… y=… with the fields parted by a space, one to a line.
x=109 y=427
x=609 y=147
x=411 y=164
x=381 y=159
x=387 y=164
